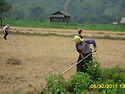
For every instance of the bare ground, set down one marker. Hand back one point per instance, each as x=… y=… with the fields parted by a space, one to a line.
x=25 y=61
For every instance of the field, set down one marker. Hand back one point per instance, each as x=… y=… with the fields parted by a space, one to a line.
x=27 y=58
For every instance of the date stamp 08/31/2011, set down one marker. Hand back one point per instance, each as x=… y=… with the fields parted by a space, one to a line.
x=107 y=86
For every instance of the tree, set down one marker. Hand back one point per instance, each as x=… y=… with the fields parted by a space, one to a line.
x=37 y=13
x=4 y=7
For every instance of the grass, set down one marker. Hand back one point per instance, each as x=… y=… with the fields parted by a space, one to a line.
x=100 y=27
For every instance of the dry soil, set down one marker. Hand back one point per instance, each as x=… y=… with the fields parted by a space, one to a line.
x=25 y=61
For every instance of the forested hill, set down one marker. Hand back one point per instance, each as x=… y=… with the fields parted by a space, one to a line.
x=81 y=11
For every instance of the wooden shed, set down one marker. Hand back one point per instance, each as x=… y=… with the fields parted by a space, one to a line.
x=60 y=16
x=122 y=21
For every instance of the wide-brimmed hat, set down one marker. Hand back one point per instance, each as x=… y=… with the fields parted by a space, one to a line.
x=77 y=39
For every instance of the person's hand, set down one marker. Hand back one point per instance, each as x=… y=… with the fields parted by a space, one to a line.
x=82 y=56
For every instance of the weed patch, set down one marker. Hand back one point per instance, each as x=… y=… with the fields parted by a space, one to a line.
x=97 y=80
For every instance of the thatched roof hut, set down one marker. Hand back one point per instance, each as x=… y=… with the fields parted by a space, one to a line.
x=122 y=21
x=60 y=16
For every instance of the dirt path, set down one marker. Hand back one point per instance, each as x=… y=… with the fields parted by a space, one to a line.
x=38 y=55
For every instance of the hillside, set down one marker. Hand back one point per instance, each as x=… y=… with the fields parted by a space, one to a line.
x=81 y=11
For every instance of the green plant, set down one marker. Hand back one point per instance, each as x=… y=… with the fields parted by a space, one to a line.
x=113 y=91
x=96 y=80
x=78 y=83
x=55 y=85
x=115 y=74
x=36 y=24
x=94 y=70
x=13 y=92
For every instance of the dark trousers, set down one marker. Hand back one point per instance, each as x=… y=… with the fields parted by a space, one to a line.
x=82 y=66
x=5 y=34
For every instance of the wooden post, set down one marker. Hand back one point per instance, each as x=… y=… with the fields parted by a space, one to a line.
x=1 y=22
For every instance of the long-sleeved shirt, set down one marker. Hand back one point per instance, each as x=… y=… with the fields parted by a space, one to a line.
x=5 y=28
x=84 y=46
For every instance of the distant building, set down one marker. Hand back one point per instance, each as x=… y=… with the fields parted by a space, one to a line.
x=114 y=23
x=122 y=21
x=60 y=16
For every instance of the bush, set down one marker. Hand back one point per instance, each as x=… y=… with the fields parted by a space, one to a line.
x=114 y=74
x=113 y=91
x=96 y=79
x=55 y=85
x=94 y=70
x=79 y=82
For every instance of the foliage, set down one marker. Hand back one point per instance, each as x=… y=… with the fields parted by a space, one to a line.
x=96 y=80
x=37 y=13
x=4 y=6
x=64 y=25
x=94 y=70
x=78 y=83
x=113 y=74
x=55 y=85
x=113 y=91
x=81 y=11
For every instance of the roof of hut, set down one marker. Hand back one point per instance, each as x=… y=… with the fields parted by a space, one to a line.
x=122 y=20
x=60 y=14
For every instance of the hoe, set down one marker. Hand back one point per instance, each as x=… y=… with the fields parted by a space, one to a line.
x=76 y=63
